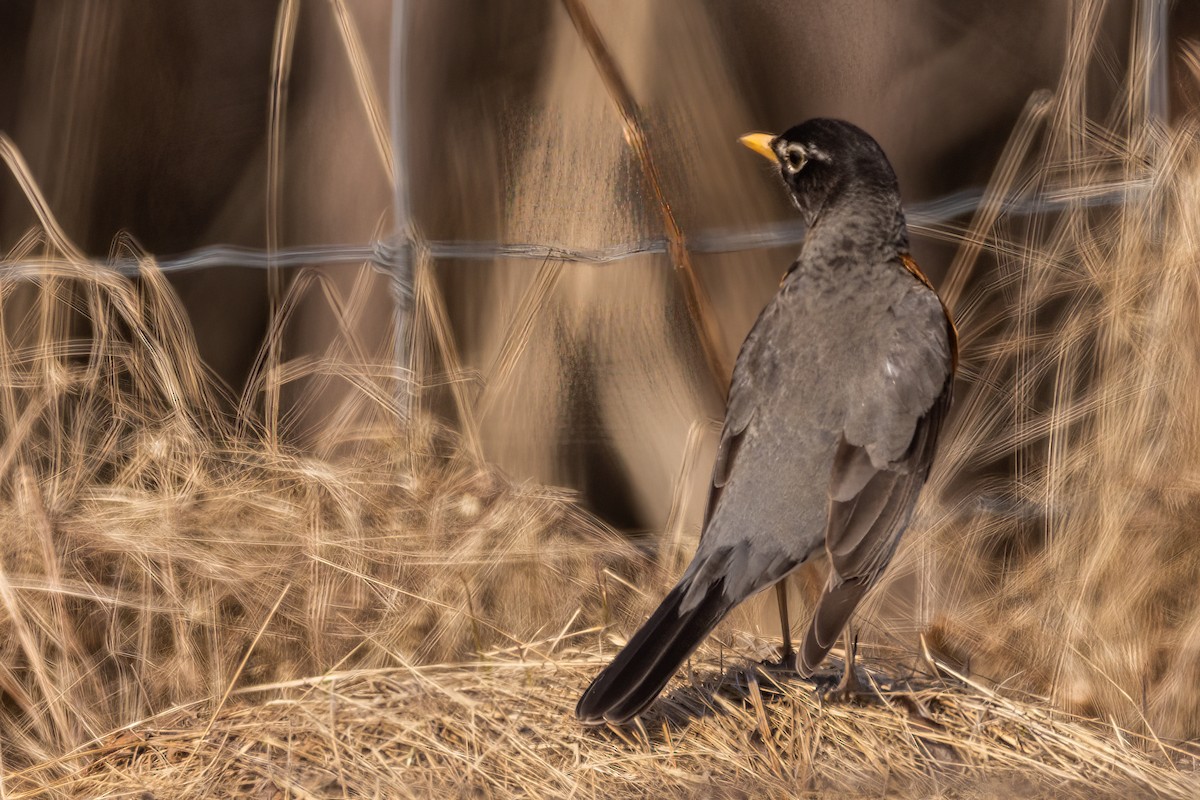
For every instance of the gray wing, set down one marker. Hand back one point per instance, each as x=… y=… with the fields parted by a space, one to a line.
x=743 y=563
x=883 y=458
x=747 y=372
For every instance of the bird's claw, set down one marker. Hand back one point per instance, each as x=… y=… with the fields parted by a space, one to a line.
x=851 y=688
x=786 y=663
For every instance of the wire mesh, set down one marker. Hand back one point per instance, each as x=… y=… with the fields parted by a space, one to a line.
x=396 y=254
x=389 y=257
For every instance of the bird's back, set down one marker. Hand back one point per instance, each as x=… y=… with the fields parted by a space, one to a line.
x=793 y=386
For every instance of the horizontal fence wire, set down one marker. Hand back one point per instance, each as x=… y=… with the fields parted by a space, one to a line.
x=394 y=257
x=384 y=255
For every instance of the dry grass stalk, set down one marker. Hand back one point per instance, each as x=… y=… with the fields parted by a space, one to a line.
x=368 y=95
x=695 y=296
x=1069 y=565
x=149 y=541
x=502 y=727
x=281 y=68
x=172 y=580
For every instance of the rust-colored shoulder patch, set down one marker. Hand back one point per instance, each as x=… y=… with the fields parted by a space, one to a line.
x=914 y=270
x=909 y=264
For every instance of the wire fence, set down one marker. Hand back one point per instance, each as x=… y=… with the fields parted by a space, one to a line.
x=388 y=256
x=395 y=255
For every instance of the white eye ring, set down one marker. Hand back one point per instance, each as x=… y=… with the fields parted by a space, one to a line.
x=793 y=158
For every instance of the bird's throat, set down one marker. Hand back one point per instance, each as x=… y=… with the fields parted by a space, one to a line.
x=836 y=235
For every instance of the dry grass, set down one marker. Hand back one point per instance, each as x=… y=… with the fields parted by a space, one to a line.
x=156 y=552
x=1067 y=562
x=502 y=727
x=189 y=608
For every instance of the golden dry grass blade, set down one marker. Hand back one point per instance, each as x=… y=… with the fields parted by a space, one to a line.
x=998 y=190
x=518 y=335
x=281 y=68
x=368 y=95
x=416 y=731
x=16 y=165
x=671 y=551
x=437 y=330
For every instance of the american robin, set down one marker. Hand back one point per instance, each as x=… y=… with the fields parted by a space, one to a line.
x=837 y=398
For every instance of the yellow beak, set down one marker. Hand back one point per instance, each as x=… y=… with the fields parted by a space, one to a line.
x=761 y=144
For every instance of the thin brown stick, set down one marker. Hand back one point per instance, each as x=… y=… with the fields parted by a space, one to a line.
x=698 y=303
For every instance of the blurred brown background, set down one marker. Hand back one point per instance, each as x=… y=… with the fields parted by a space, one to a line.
x=153 y=119
x=370 y=205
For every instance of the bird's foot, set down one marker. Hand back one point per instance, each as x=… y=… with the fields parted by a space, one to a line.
x=850 y=688
x=834 y=691
x=786 y=663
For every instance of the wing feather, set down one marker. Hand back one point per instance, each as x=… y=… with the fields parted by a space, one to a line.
x=883 y=458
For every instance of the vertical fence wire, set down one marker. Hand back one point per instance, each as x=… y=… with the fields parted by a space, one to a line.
x=399 y=255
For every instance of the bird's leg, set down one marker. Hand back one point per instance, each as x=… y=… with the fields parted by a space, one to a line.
x=788 y=656
x=850 y=685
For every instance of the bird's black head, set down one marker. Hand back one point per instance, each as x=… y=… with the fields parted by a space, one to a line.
x=826 y=161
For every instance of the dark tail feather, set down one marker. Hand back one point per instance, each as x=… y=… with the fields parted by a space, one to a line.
x=834 y=608
x=640 y=671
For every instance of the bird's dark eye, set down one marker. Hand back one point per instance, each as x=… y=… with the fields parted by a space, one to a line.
x=794 y=158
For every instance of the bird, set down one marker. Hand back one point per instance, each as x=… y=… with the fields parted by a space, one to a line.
x=836 y=401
